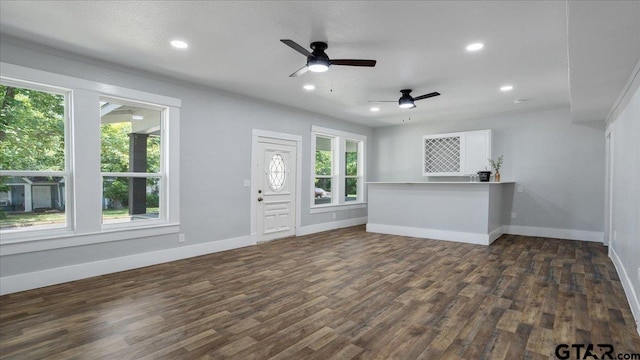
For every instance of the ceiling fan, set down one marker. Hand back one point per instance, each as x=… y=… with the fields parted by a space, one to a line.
x=406 y=101
x=318 y=61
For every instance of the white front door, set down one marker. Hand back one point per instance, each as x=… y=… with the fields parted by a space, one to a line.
x=276 y=193
x=41 y=197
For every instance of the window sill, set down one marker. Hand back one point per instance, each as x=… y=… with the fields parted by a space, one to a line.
x=13 y=236
x=329 y=208
x=26 y=243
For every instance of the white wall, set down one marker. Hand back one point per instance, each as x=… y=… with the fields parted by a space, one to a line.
x=215 y=156
x=560 y=165
x=625 y=246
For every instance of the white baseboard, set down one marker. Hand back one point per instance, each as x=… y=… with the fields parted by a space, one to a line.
x=465 y=237
x=37 y=279
x=316 y=228
x=629 y=291
x=495 y=234
x=569 y=234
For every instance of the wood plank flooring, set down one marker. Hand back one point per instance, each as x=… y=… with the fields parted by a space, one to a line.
x=343 y=294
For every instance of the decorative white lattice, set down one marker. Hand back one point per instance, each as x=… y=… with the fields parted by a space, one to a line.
x=276 y=172
x=442 y=155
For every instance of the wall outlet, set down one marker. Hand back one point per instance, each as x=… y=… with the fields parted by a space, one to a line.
x=520 y=188
x=615 y=235
x=334 y=215
x=513 y=215
x=181 y=238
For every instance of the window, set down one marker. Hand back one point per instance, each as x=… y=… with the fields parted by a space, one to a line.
x=130 y=161
x=33 y=164
x=323 y=170
x=84 y=162
x=351 y=171
x=338 y=171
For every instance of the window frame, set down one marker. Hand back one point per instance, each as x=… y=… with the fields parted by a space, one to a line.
x=161 y=174
x=82 y=168
x=333 y=176
x=359 y=175
x=66 y=174
x=338 y=153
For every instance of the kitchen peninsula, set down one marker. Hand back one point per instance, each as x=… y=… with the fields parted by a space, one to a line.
x=470 y=212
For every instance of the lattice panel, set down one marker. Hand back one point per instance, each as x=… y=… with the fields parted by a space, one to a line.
x=442 y=155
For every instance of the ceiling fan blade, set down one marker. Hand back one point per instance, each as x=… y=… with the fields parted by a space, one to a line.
x=378 y=101
x=302 y=70
x=426 y=96
x=294 y=45
x=354 y=62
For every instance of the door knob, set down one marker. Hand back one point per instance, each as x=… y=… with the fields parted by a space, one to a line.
x=259 y=199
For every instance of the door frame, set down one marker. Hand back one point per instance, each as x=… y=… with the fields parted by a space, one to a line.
x=256 y=135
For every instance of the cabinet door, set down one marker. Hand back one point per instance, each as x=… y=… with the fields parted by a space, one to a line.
x=443 y=155
x=456 y=154
x=477 y=151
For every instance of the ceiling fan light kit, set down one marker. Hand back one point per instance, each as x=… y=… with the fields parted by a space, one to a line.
x=318 y=61
x=318 y=65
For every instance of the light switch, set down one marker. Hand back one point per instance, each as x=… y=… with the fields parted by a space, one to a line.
x=247 y=183
x=519 y=188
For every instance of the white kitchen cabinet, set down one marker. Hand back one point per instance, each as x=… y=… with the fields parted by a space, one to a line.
x=456 y=154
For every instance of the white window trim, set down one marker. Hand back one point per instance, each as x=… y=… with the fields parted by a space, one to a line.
x=164 y=145
x=339 y=139
x=84 y=225
x=334 y=165
x=65 y=174
x=360 y=167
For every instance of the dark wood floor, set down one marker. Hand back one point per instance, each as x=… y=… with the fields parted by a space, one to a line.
x=341 y=294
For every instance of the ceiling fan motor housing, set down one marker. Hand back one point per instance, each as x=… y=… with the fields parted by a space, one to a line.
x=318 y=56
x=406 y=101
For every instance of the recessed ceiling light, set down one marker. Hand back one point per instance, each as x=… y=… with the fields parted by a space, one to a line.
x=375 y=108
x=506 y=88
x=137 y=117
x=309 y=87
x=475 y=46
x=179 y=44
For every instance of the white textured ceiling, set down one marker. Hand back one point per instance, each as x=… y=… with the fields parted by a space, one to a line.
x=234 y=46
x=604 y=46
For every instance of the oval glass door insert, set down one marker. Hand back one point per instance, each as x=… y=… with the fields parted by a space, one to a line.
x=276 y=172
